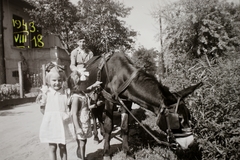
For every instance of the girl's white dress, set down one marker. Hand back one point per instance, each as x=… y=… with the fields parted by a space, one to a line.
x=57 y=125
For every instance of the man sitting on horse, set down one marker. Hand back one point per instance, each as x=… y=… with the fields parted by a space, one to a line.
x=80 y=55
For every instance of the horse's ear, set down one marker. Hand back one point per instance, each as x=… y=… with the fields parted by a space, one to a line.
x=185 y=92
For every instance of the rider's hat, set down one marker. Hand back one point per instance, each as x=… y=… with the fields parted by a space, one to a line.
x=81 y=38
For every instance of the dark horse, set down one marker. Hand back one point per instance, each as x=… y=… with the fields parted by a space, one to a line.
x=121 y=79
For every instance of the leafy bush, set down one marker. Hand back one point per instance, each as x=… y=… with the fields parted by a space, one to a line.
x=8 y=91
x=218 y=111
x=215 y=106
x=201 y=27
x=145 y=147
x=145 y=59
x=202 y=44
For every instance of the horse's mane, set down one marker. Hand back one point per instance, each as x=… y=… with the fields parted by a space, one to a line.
x=124 y=57
x=143 y=78
x=146 y=77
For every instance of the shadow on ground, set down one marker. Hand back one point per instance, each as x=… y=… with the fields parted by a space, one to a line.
x=98 y=155
x=142 y=142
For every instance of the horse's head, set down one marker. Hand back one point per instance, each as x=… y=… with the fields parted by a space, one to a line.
x=175 y=119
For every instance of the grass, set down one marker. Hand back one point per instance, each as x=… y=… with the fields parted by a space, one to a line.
x=144 y=147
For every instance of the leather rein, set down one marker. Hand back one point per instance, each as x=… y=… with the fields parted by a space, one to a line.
x=117 y=100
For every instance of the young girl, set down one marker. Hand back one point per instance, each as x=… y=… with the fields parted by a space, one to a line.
x=80 y=112
x=56 y=124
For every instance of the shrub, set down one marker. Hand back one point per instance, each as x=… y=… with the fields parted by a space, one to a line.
x=8 y=91
x=215 y=106
x=218 y=111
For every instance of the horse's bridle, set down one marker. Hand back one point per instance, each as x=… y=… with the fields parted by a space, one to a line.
x=173 y=122
x=126 y=83
x=165 y=111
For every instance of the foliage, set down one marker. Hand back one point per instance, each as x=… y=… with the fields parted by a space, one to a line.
x=218 y=112
x=145 y=59
x=202 y=44
x=141 y=144
x=55 y=17
x=208 y=27
x=155 y=153
x=144 y=147
x=215 y=106
x=9 y=91
x=100 y=22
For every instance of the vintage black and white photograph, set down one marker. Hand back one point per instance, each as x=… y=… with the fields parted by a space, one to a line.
x=119 y=79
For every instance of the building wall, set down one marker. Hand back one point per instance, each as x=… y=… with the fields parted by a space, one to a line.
x=34 y=57
x=37 y=57
x=2 y=62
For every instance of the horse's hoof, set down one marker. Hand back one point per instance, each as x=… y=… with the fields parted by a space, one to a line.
x=130 y=155
x=106 y=158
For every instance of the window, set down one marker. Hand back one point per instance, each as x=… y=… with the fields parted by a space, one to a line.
x=19 y=32
x=26 y=34
x=36 y=37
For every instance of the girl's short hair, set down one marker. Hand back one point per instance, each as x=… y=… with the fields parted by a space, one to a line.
x=74 y=82
x=54 y=70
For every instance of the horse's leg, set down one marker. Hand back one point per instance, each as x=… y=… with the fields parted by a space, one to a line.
x=100 y=118
x=95 y=131
x=125 y=127
x=108 y=127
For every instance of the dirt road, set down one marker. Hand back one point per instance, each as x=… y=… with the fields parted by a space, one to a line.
x=19 y=130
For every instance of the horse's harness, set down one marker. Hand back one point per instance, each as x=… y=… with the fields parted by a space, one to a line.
x=170 y=112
